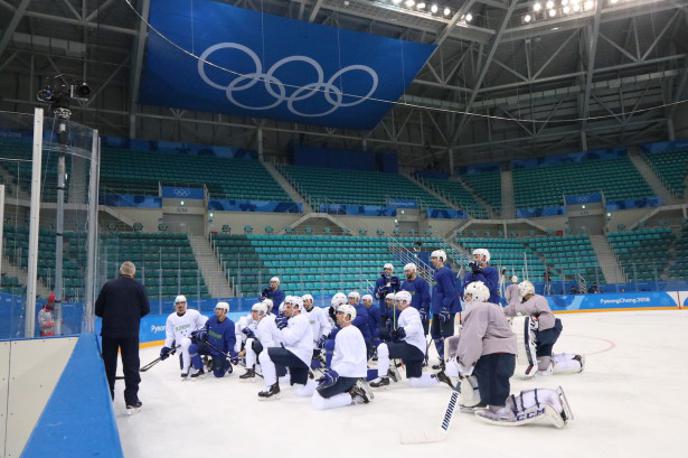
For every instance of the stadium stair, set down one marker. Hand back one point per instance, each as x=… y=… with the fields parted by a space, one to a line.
x=641 y=162
x=507 y=193
x=431 y=190
x=672 y=168
x=288 y=188
x=487 y=185
x=210 y=268
x=491 y=213
x=607 y=260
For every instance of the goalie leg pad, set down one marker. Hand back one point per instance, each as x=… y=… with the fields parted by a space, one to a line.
x=530 y=405
x=568 y=363
x=470 y=391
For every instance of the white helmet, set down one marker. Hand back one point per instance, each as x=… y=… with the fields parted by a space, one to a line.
x=297 y=302
x=347 y=309
x=275 y=279
x=268 y=303
x=355 y=295
x=388 y=266
x=390 y=296
x=307 y=297
x=403 y=296
x=410 y=266
x=525 y=288
x=477 y=291
x=222 y=305
x=439 y=254
x=180 y=298
x=289 y=299
x=514 y=279
x=367 y=297
x=482 y=252
x=260 y=307
x=338 y=299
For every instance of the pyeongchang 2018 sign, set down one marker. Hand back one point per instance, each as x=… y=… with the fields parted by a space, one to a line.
x=259 y=65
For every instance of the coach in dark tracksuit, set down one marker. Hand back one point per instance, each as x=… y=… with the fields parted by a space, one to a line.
x=121 y=304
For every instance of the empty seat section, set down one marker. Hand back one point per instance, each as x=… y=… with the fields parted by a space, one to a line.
x=672 y=169
x=487 y=185
x=456 y=193
x=642 y=253
x=509 y=254
x=570 y=256
x=678 y=270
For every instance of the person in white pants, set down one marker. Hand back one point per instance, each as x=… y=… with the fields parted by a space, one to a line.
x=264 y=335
x=178 y=328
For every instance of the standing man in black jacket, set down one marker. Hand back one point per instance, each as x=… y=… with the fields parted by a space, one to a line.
x=121 y=304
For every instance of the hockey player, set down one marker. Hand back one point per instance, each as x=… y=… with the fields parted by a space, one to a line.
x=337 y=300
x=373 y=318
x=420 y=292
x=547 y=329
x=295 y=353
x=511 y=294
x=264 y=335
x=273 y=292
x=480 y=270
x=178 y=328
x=320 y=325
x=344 y=382
x=487 y=349
x=408 y=344
x=386 y=284
x=217 y=339
x=445 y=302
x=362 y=320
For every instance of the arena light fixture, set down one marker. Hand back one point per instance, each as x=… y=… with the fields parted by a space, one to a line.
x=589 y=4
x=549 y=5
x=564 y=2
x=421 y=6
x=566 y=9
x=396 y=2
x=469 y=17
x=410 y=3
x=552 y=12
x=537 y=7
x=527 y=18
x=434 y=8
x=447 y=11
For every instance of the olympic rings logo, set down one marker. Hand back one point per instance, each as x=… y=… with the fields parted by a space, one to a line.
x=182 y=192
x=278 y=90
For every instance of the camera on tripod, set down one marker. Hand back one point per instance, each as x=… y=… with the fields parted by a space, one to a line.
x=59 y=93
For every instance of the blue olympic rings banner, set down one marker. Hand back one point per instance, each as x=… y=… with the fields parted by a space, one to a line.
x=273 y=67
x=353 y=209
x=583 y=198
x=445 y=213
x=175 y=192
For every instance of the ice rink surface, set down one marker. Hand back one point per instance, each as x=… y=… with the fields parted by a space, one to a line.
x=630 y=402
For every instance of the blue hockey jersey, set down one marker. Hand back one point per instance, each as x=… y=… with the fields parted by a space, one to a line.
x=420 y=293
x=444 y=292
x=221 y=335
x=489 y=276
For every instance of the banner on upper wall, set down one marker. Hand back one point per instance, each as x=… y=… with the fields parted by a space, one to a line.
x=445 y=213
x=643 y=202
x=590 y=198
x=614 y=301
x=260 y=65
x=177 y=192
x=231 y=205
x=128 y=200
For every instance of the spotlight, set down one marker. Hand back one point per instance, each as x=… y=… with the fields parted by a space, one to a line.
x=552 y=13
x=527 y=18
x=421 y=6
x=447 y=12
x=469 y=17
x=434 y=8
x=549 y=5
x=613 y=1
x=576 y=7
x=410 y=3
x=566 y=9
x=537 y=6
x=564 y=2
x=396 y=2
x=589 y=4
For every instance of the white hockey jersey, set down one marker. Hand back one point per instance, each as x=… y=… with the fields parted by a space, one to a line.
x=177 y=326
x=297 y=337
x=320 y=322
x=409 y=319
x=267 y=333
x=350 y=357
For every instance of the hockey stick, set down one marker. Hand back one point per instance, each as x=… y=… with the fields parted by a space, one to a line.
x=426 y=437
x=152 y=363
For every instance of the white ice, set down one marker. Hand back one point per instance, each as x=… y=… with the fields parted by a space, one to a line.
x=629 y=402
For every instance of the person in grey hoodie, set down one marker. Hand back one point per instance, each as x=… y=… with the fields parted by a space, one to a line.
x=547 y=329
x=487 y=349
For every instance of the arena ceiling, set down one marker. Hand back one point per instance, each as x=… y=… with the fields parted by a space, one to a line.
x=530 y=84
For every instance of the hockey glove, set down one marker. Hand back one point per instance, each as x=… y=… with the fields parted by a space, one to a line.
x=328 y=378
x=423 y=315
x=333 y=313
x=281 y=322
x=321 y=341
x=475 y=268
x=398 y=334
x=248 y=332
x=199 y=336
x=234 y=360
x=165 y=353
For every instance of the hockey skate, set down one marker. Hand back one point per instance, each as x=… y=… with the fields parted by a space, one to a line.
x=249 y=375
x=472 y=409
x=380 y=382
x=195 y=373
x=444 y=378
x=581 y=361
x=271 y=393
x=393 y=372
x=185 y=374
x=134 y=407
x=361 y=393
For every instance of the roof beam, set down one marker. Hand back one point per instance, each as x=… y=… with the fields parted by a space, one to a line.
x=135 y=69
x=483 y=72
x=315 y=10
x=12 y=26
x=593 y=35
x=77 y=22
